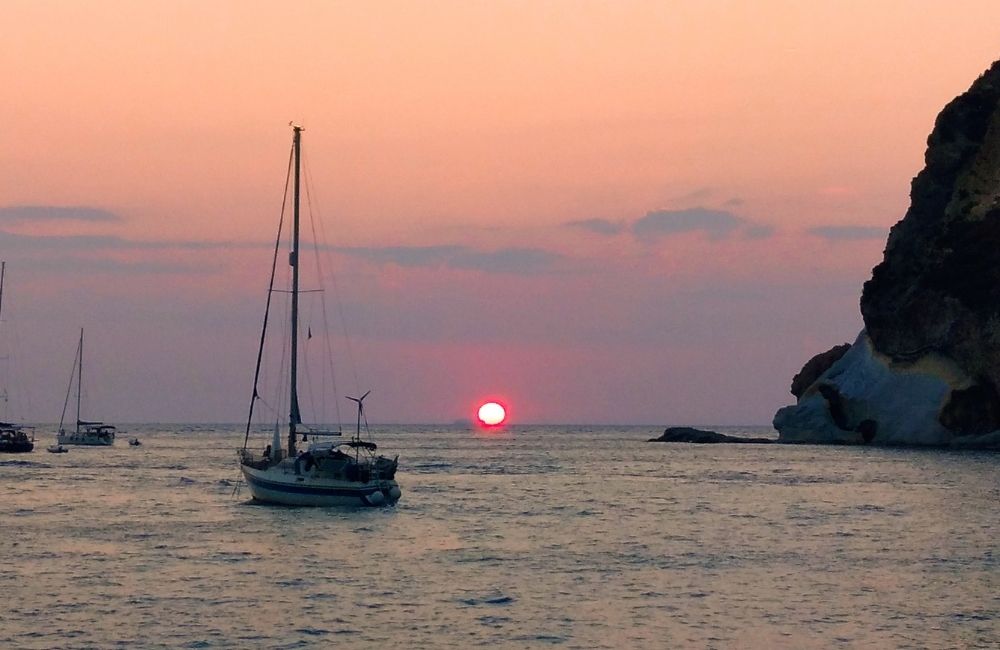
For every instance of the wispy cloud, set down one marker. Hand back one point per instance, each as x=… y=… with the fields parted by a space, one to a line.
x=408 y=256
x=22 y=213
x=83 y=243
x=705 y=196
x=598 y=226
x=848 y=233
x=717 y=224
x=78 y=264
x=519 y=261
x=512 y=260
x=758 y=231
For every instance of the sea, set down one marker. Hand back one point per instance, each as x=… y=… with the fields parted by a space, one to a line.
x=527 y=537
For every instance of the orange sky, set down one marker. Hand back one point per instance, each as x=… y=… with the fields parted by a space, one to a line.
x=491 y=128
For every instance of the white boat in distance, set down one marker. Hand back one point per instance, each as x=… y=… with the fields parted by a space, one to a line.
x=327 y=473
x=84 y=433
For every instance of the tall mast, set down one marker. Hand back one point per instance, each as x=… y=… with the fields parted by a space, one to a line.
x=3 y=389
x=79 y=380
x=294 y=416
x=3 y=270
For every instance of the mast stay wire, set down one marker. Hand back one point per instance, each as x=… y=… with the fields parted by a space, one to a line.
x=317 y=237
x=270 y=289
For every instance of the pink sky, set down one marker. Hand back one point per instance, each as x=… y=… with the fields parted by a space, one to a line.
x=628 y=212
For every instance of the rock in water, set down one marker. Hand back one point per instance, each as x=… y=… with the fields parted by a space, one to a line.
x=926 y=369
x=700 y=436
x=867 y=397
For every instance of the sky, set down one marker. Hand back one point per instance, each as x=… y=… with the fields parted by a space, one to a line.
x=597 y=212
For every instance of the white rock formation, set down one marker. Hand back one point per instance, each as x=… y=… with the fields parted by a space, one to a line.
x=903 y=400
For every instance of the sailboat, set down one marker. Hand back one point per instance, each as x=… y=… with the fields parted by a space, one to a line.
x=327 y=473
x=84 y=433
x=14 y=438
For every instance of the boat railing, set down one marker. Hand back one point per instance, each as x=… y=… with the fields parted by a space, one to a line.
x=262 y=461
x=322 y=432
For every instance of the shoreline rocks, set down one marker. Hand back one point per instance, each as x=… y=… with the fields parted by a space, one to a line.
x=925 y=371
x=865 y=394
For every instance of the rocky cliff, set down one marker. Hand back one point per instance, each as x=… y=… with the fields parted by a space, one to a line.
x=926 y=369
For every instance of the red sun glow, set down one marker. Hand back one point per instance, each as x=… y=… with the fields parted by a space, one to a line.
x=492 y=414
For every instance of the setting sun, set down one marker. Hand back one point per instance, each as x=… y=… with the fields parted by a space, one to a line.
x=492 y=414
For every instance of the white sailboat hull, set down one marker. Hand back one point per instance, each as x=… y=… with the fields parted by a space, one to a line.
x=279 y=485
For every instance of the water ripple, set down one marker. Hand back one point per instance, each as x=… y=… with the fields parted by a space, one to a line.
x=585 y=537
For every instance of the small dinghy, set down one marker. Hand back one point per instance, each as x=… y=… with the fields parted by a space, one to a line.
x=134 y=442
x=56 y=449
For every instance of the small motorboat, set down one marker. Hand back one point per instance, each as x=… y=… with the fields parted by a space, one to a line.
x=14 y=440
x=134 y=442
x=56 y=449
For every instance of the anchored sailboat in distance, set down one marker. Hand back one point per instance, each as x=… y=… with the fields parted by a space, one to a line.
x=13 y=437
x=327 y=473
x=84 y=433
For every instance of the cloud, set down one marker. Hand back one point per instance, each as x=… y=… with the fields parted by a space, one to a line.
x=408 y=256
x=519 y=261
x=21 y=213
x=81 y=243
x=758 y=231
x=849 y=233
x=598 y=226
x=75 y=265
x=513 y=260
x=718 y=224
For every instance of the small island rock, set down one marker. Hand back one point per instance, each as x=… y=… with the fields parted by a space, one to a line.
x=689 y=434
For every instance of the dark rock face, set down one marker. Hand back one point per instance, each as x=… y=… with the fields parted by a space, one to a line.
x=835 y=402
x=973 y=411
x=688 y=434
x=925 y=370
x=868 y=430
x=938 y=286
x=816 y=367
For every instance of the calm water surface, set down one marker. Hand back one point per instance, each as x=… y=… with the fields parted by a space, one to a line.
x=577 y=537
